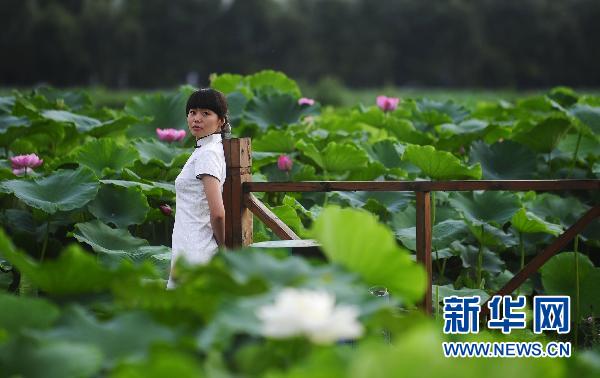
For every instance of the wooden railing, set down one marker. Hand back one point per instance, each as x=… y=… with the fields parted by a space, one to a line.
x=241 y=204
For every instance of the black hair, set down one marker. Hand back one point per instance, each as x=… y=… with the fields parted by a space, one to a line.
x=208 y=98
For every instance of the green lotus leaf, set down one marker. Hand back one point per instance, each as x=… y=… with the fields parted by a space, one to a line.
x=387 y=152
x=72 y=99
x=405 y=131
x=160 y=363
x=23 y=312
x=64 y=190
x=373 y=171
x=392 y=201
x=470 y=126
x=470 y=257
x=289 y=216
x=527 y=222
x=429 y=113
x=449 y=290
x=495 y=165
x=166 y=110
x=226 y=83
x=273 y=80
x=113 y=127
x=83 y=124
x=559 y=278
x=27 y=356
x=587 y=147
x=119 y=206
x=105 y=155
x=8 y=121
x=556 y=209
x=311 y=151
x=275 y=141
x=11 y=128
x=589 y=301
x=149 y=188
x=104 y=239
x=544 y=136
x=40 y=135
x=444 y=233
x=343 y=157
x=488 y=206
x=126 y=336
x=455 y=111
x=236 y=103
x=6 y=104
x=153 y=150
x=439 y=165
x=563 y=95
x=588 y=115
x=497 y=282
x=276 y=109
x=490 y=236
x=74 y=271
x=357 y=241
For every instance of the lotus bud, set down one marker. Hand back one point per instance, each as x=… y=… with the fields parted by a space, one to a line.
x=170 y=135
x=387 y=104
x=306 y=101
x=166 y=210
x=284 y=163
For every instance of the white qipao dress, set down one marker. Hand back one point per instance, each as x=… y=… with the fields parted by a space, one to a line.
x=193 y=237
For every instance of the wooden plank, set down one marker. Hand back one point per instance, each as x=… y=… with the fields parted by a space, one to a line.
x=293 y=243
x=532 y=267
x=270 y=219
x=238 y=219
x=424 y=243
x=227 y=195
x=424 y=186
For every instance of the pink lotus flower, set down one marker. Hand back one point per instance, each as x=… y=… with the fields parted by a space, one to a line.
x=166 y=210
x=284 y=163
x=306 y=101
x=387 y=104
x=170 y=135
x=25 y=161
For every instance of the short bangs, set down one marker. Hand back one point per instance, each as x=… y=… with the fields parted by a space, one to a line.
x=208 y=98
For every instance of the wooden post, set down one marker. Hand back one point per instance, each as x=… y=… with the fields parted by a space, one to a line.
x=424 y=243
x=238 y=219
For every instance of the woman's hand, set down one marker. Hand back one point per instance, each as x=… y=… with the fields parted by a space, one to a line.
x=212 y=188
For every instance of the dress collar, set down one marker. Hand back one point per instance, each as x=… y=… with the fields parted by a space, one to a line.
x=212 y=138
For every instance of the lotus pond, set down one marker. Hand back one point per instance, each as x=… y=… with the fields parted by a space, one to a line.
x=88 y=198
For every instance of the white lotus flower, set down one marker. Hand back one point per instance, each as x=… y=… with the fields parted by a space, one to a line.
x=310 y=313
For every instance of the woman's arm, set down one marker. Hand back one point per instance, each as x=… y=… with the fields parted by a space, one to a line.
x=215 y=205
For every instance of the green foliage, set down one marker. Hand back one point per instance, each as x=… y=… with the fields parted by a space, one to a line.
x=439 y=165
x=358 y=242
x=62 y=191
x=103 y=308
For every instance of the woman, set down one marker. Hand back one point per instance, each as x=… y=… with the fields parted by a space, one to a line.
x=200 y=215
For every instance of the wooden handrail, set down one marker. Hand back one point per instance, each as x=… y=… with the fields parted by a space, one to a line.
x=542 y=257
x=269 y=218
x=421 y=186
x=240 y=204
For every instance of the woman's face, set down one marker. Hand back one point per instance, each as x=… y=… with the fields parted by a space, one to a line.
x=203 y=122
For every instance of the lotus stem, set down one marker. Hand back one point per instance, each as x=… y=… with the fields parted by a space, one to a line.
x=432 y=209
x=437 y=301
x=45 y=245
x=574 y=160
x=522 y=249
x=576 y=318
x=480 y=260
